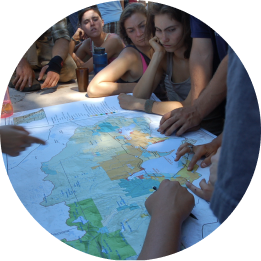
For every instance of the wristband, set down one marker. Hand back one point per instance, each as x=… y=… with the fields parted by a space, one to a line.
x=74 y=40
x=148 y=106
x=55 y=65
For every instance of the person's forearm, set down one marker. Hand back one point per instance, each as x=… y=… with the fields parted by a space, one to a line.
x=162 y=108
x=218 y=140
x=159 y=108
x=144 y=87
x=200 y=73
x=163 y=237
x=23 y=62
x=215 y=92
x=71 y=47
x=109 y=88
x=122 y=4
x=88 y=64
x=61 y=48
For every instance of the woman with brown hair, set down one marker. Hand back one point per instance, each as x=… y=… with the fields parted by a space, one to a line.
x=124 y=72
x=91 y=30
x=172 y=44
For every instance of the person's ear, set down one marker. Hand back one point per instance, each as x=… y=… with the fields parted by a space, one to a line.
x=102 y=22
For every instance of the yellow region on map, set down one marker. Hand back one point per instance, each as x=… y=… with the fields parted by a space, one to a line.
x=185 y=175
x=34 y=116
x=140 y=139
x=117 y=168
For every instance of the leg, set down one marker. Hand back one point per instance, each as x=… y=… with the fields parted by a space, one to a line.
x=68 y=71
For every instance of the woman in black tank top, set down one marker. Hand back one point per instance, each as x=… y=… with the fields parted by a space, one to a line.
x=124 y=72
x=172 y=44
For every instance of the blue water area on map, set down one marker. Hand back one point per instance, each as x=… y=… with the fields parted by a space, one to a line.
x=81 y=219
x=107 y=127
x=180 y=163
x=119 y=137
x=140 y=121
x=45 y=169
x=131 y=207
x=96 y=133
x=138 y=187
x=41 y=148
x=146 y=154
x=103 y=230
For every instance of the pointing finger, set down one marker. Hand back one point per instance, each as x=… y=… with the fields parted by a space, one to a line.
x=32 y=139
x=182 y=152
x=195 y=189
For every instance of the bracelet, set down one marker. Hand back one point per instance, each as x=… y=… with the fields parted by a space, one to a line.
x=74 y=40
x=148 y=106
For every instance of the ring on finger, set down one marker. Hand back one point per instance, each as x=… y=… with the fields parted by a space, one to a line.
x=190 y=146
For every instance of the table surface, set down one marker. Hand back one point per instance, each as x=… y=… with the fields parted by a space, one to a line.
x=60 y=94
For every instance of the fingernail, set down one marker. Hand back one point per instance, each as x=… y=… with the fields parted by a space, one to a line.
x=203 y=165
x=189 y=168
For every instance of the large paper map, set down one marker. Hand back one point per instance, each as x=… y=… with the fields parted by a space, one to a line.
x=88 y=185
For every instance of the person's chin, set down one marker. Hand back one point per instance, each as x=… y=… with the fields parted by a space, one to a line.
x=167 y=47
x=94 y=33
x=142 y=43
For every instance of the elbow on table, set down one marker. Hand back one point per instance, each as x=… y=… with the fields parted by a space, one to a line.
x=93 y=91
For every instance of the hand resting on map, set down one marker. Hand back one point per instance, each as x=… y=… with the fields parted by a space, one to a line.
x=169 y=206
x=205 y=150
x=206 y=189
x=15 y=139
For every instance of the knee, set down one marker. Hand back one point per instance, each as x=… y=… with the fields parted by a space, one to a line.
x=68 y=71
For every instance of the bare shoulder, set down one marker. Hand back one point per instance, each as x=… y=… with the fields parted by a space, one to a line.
x=131 y=54
x=115 y=39
x=114 y=36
